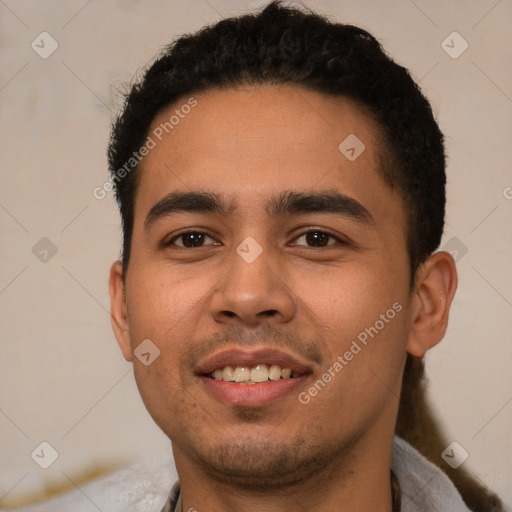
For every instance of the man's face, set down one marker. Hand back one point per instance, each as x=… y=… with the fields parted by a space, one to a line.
x=212 y=300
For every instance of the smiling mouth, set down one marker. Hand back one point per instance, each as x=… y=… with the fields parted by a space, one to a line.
x=253 y=374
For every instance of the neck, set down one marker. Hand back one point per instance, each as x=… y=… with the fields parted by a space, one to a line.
x=359 y=479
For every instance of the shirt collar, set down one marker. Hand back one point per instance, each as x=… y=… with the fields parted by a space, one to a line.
x=173 y=502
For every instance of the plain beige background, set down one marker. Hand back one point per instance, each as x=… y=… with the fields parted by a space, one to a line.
x=63 y=378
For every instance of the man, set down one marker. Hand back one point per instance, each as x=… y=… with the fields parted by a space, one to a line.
x=281 y=183
x=279 y=257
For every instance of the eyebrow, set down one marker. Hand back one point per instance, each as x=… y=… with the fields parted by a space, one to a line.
x=289 y=202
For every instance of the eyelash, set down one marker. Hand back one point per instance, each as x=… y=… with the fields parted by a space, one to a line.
x=192 y=231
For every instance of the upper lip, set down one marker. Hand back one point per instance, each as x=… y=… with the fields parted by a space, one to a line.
x=251 y=358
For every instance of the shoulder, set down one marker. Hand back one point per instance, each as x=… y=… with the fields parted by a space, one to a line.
x=140 y=487
x=424 y=487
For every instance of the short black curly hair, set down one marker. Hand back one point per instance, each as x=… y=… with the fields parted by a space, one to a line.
x=287 y=45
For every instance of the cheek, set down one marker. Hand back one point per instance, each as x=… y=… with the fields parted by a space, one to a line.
x=163 y=308
x=361 y=380
x=166 y=313
x=362 y=318
x=158 y=385
x=345 y=302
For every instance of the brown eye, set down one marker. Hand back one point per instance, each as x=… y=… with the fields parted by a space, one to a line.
x=189 y=239
x=317 y=238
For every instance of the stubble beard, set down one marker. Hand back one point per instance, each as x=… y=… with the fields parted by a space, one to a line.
x=253 y=464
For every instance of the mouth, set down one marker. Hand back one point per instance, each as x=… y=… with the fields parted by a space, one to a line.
x=257 y=374
x=252 y=378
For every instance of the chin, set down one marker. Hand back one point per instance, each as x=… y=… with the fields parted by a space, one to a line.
x=263 y=463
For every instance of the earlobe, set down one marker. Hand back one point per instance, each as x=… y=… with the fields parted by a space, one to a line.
x=436 y=282
x=118 y=314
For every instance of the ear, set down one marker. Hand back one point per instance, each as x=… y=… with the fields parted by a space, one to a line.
x=435 y=285
x=118 y=315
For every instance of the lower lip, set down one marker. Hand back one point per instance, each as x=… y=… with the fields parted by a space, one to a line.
x=252 y=395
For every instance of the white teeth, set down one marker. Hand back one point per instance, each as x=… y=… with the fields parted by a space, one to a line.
x=286 y=373
x=258 y=373
x=227 y=374
x=274 y=372
x=241 y=374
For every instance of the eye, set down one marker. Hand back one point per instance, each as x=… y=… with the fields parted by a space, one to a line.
x=193 y=239
x=318 y=238
x=189 y=239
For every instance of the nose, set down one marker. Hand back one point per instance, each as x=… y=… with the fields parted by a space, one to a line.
x=253 y=291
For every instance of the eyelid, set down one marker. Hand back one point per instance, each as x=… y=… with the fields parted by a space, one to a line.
x=200 y=231
x=312 y=229
x=339 y=239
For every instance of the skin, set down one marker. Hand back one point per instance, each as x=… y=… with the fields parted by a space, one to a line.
x=249 y=144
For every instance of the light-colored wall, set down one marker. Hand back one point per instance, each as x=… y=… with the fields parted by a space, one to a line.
x=63 y=379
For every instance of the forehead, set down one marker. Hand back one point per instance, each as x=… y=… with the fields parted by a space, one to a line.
x=252 y=142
